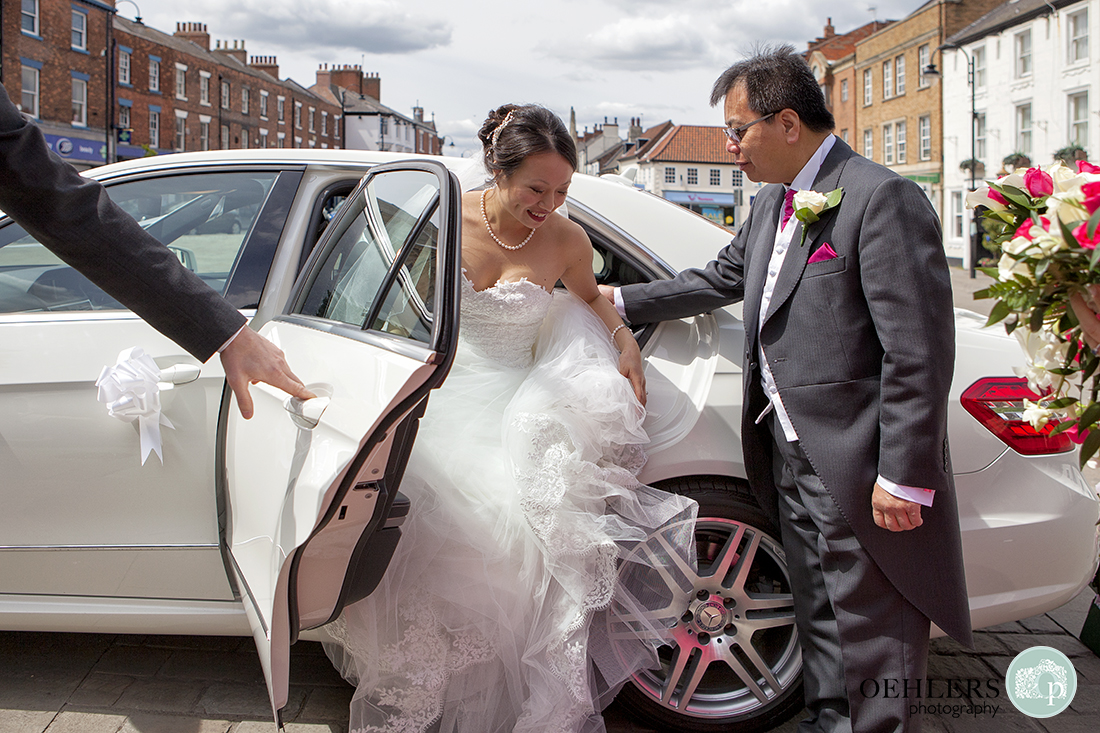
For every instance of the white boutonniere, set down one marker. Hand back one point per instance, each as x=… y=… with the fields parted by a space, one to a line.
x=810 y=205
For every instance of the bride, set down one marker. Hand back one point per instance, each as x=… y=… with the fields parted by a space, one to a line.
x=493 y=615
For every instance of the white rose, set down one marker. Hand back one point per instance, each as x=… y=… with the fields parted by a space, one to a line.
x=811 y=200
x=1014 y=179
x=980 y=197
x=1008 y=267
x=1064 y=179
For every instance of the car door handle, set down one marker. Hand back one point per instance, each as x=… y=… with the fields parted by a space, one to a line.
x=180 y=373
x=306 y=414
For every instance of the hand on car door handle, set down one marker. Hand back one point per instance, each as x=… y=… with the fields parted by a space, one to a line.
x=306 y=413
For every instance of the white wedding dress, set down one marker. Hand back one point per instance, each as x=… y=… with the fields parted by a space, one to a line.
x=494 y=614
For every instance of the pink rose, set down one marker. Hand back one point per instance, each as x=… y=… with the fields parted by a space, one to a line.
x=1038 y=182
x=1083 y=166
x=998 y=197
x=1025 y=228
x=1082 y=236
x=1091 y=192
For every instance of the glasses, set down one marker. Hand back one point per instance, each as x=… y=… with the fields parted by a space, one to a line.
x=735 y=133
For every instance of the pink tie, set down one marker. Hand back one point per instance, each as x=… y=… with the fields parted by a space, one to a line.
x=788 y=207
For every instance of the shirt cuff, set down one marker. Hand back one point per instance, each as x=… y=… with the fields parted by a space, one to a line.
x=620 y=307
x=909 y=493
x=230 y=339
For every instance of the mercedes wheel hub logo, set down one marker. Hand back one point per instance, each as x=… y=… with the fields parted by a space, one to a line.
x=710 y=617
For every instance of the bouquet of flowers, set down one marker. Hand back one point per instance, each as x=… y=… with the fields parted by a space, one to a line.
x=1046 y=222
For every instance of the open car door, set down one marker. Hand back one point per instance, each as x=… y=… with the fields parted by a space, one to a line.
x=313 y=508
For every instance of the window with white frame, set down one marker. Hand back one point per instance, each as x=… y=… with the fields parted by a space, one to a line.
x=30 y=97
x=924 y=57
x=899 y=141
x=1023 y=128
x=280 y=109
x=80 y=101
x=924 y=133
x=899 y=75
x=977 y=55
x=123 y=115
x=154 y=74
x=263 y=106
x=324 y=122
x=244 y=138
x=670 y=174
x=869 y=144
x=263 y=139
x=868 y=88
x=154 y=127
x=225 y=137
x=1079 y=119
x=181 y=133
x=693 y=176
x=125 y=56
x=225 y=95
x=1078 y=36
x=957 y=214
x=715 y=177
x=29 y=18
x=80 y=31
x=888 y=143
x=246 y=98
x=181 y=82
x=887 y=79
x=843 y=90
x=1022 y=44
x=312 y=119
x=204 y=90
x=844 y=136
x=336 y=126
x=298 y=117
x=738 y=178
x=280 y=140
x=204 y=134
x=979 y=136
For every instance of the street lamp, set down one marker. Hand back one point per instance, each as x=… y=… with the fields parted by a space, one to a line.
x=971 y=80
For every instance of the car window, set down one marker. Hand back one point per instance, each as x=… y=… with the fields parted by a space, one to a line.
x=389 y=246
x=202 y=218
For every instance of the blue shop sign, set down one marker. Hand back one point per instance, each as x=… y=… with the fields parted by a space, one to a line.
x=76 y=148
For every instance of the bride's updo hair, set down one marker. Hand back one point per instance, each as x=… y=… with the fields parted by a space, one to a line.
x=513 y=132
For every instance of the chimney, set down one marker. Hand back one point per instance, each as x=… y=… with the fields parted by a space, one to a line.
x=372 y=86
x=194 y=32
x=237 y=51
x=418 y=114
x=266 y=64
x=324 y=76
x=347 y=76
x=830 y=31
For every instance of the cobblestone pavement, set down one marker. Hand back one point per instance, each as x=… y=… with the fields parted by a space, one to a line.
x=97 y=683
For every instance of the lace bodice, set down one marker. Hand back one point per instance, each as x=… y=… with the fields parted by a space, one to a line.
x=502 y=322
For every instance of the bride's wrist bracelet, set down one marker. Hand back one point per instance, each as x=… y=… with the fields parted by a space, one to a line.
x=615 y=331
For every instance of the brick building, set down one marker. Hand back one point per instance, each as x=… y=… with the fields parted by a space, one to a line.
x=104 y=88
x=899 y=113
x=52 y=64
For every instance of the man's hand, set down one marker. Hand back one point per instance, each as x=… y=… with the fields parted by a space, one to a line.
x=608 y=292
x=892 y=513
x=251 y=358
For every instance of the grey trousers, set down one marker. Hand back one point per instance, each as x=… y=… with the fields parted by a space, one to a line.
x=860 y=638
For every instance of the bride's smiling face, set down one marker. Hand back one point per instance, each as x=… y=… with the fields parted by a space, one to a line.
x=535 y=188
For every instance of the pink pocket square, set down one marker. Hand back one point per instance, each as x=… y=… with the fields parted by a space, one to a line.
x=823 y=253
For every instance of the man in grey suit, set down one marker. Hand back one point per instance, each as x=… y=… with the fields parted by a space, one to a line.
x=76 y=220
x=849 y=353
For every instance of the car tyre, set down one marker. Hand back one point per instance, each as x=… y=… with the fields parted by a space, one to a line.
x=733 y=662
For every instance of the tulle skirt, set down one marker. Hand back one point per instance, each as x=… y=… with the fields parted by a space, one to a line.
x=509 y=604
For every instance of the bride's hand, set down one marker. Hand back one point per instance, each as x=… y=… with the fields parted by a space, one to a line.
x=630 y=366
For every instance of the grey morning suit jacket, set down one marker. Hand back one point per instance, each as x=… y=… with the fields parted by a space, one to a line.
x=862 y=349
x=74 y=218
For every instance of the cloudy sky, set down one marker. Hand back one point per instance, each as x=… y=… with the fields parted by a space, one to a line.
x=458 y=58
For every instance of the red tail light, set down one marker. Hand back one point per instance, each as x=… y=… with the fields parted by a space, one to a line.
x=998 y=404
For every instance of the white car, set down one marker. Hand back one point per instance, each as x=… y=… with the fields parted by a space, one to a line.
x=270 y=526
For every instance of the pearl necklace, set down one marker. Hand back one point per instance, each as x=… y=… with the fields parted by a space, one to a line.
x=485 y=218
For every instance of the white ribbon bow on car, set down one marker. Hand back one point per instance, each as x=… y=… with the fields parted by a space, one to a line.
x=130 y=391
